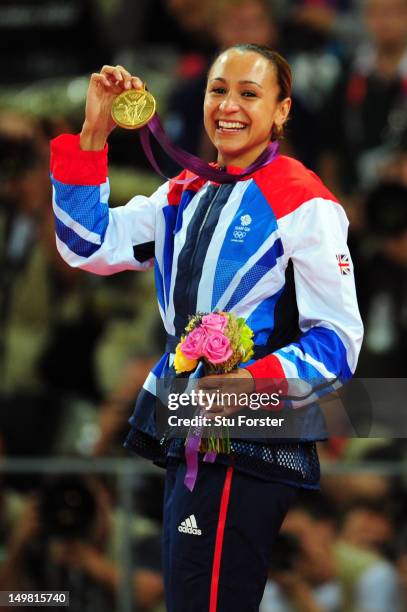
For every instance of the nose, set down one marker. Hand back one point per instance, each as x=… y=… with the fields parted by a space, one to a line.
x=229 y=104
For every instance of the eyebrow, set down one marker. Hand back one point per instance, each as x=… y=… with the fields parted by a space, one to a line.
x=244 y=82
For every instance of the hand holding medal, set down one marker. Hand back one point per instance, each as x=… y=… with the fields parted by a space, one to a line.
x=104 y=88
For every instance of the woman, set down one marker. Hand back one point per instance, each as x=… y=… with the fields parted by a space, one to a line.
x=271 y=248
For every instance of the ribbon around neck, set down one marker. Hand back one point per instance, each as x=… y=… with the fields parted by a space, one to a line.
x=194 y=163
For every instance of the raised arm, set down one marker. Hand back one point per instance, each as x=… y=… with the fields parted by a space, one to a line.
x=89 y=235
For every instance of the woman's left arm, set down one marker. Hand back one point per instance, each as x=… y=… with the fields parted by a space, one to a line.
x=331 y=331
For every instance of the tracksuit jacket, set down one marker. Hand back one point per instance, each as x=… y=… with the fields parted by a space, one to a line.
x=270 y=248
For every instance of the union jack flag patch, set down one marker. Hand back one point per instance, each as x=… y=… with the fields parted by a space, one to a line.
x=344 y=264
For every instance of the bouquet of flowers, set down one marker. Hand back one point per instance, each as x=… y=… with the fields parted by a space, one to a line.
x=221 y=341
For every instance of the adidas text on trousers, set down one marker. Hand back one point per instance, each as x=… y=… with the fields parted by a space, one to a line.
x=217 y=539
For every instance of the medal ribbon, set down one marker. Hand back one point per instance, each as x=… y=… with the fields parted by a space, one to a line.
x=191 y=458
x=194 y=163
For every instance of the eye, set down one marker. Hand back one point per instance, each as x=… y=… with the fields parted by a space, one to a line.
x=249 y=94
x=218 y=90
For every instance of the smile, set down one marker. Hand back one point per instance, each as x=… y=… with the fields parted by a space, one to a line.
x=230 y=126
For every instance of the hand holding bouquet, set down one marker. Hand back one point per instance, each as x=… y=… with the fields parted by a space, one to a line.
x=221 y=341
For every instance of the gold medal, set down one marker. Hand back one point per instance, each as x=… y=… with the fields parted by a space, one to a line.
x=132 y=109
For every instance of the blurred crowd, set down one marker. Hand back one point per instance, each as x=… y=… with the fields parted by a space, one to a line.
x=75 y=348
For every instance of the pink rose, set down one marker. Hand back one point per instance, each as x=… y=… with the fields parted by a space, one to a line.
x=214 y=322
x=216 y=348
x=192 y=346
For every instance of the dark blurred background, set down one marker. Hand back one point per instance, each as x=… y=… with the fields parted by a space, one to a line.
x=76 y=512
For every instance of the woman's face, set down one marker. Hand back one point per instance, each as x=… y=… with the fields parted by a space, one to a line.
x=241 y=106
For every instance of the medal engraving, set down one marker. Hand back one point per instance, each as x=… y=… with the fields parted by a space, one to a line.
x=133 y=109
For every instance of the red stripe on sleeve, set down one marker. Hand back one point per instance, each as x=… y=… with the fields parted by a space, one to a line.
x=268 y=375
x=213 y=605
x=71 y=165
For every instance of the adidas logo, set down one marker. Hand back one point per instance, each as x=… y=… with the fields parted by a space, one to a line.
x=190 y=526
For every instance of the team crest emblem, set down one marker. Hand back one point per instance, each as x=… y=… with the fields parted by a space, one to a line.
x=245 y=220
x=240 y=231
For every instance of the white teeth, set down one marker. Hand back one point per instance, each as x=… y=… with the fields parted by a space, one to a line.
x=231 y=125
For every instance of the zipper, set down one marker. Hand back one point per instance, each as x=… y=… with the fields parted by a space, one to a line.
x=201 y=227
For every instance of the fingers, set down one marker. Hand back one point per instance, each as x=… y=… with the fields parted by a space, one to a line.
x=101 y=79
x=224 y=394
x=210 y=390
x=211 y=381
x=137 y=83
x=117 y=76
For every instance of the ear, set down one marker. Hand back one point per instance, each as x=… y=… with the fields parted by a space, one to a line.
x=282 y=113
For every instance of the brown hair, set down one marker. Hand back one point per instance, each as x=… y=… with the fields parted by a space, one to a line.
x=283 y=73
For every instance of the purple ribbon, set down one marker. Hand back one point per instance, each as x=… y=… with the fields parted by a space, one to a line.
x=191 y=458
x=194 y=163
x=210 y=457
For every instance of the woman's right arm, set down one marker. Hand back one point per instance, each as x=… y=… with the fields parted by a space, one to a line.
x=89 y=234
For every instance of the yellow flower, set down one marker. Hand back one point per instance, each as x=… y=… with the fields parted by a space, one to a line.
x=248 y=356
x=246 y=342
x=181 y=363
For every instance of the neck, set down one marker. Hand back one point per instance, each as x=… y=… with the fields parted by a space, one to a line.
x=245 y=160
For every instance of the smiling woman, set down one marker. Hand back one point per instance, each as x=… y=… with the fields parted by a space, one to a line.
x=266 y=248
x=247 y=102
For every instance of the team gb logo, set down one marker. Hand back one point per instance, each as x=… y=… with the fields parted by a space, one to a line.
x=245 y=220
x=241 y=231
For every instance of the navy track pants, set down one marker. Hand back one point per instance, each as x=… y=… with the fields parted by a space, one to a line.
x=217 y=539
